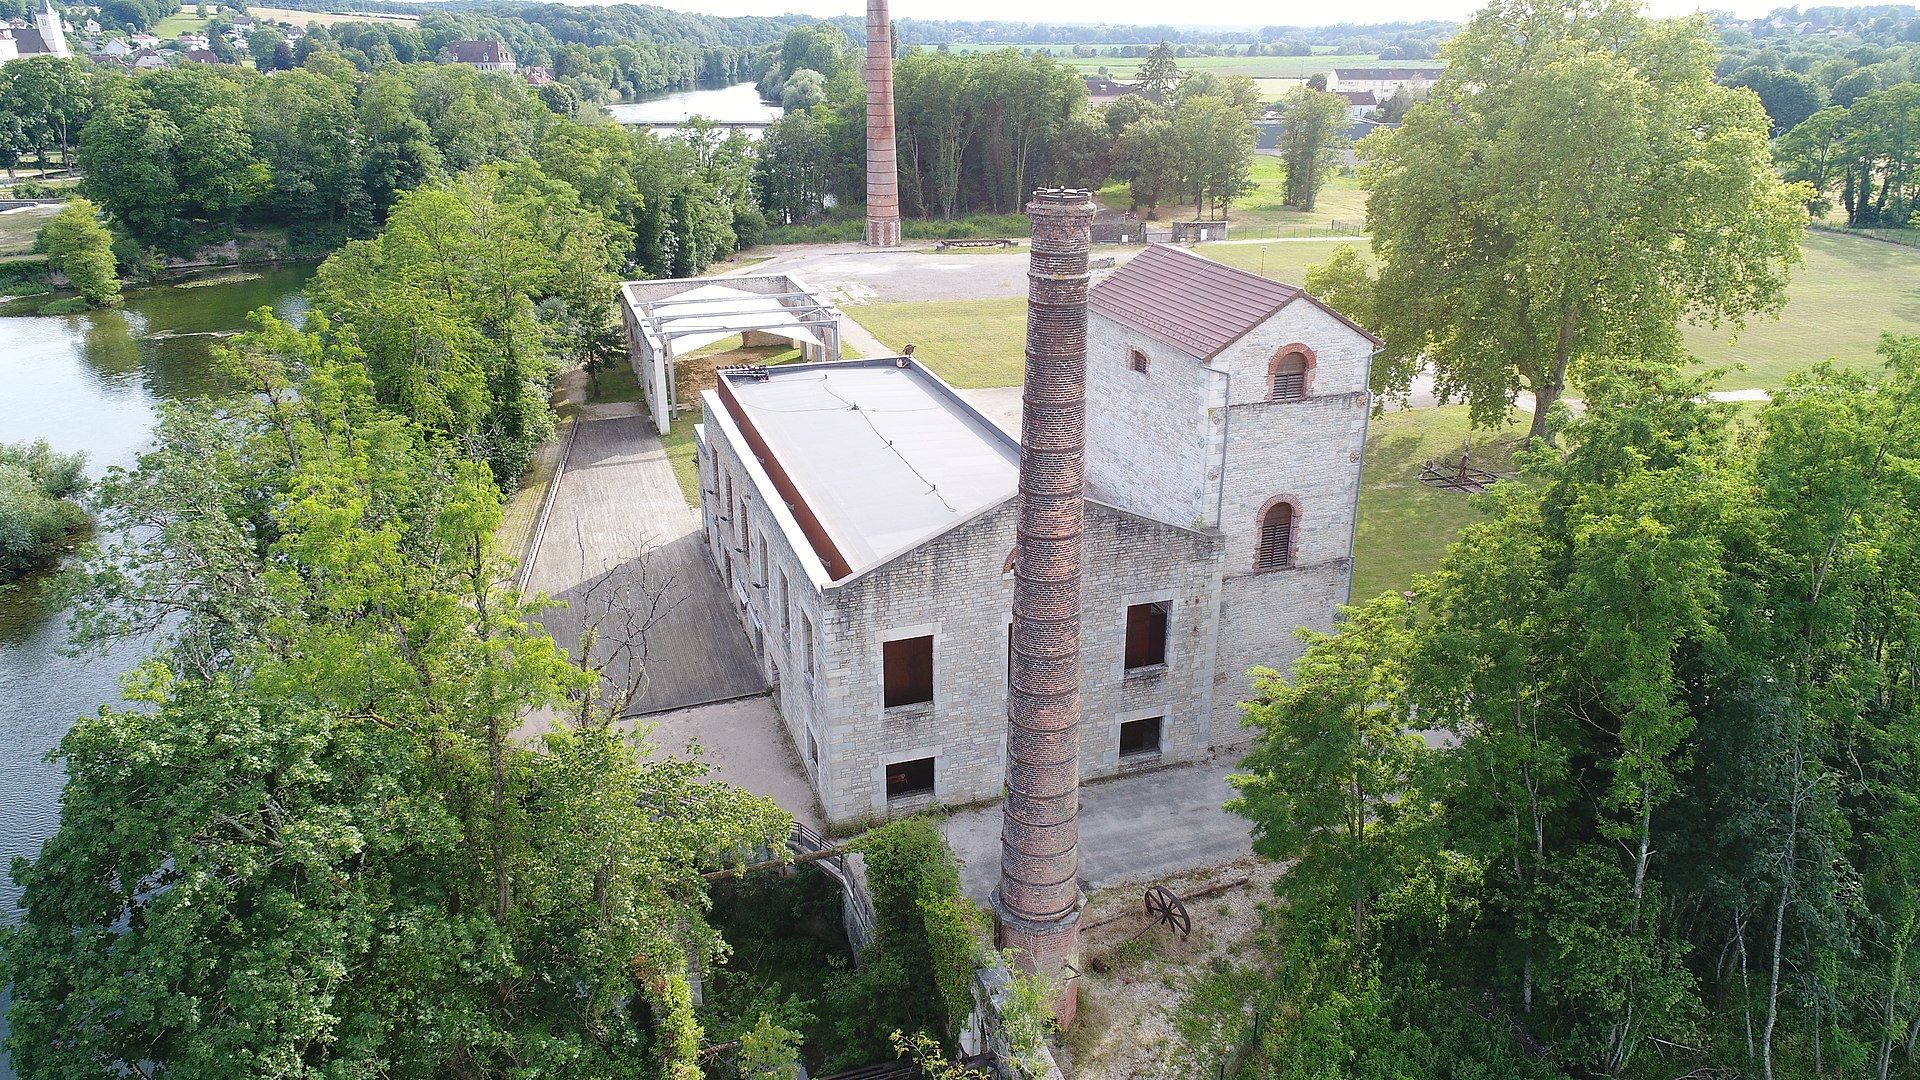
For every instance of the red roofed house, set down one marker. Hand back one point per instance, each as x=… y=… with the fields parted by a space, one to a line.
x=862 y=513
x=485 y=55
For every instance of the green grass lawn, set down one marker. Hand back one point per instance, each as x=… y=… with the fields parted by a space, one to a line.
x=179 y=23
x=1850 y=290
x=19 y=227
x=1281 y=260
x=970 y=343
x=617 y=383
x=1341 y=206
x=1404 y=526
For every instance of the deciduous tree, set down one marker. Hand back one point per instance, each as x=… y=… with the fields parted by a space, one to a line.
x=1313 y=131
x=80 y=247
x=1576 y=186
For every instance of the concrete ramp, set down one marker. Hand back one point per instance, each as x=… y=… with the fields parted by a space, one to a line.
x=620 y=537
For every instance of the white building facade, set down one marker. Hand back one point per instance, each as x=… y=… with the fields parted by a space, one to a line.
x=862 y=514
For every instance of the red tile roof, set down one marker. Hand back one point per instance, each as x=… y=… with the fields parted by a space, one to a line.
x=1195 y=303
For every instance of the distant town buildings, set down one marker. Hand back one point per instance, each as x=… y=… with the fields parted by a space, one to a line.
x=45 y=36
x=1362 y=102
x=1382 y=81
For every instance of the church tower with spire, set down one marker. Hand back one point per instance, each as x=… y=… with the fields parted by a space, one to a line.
x=53 y=36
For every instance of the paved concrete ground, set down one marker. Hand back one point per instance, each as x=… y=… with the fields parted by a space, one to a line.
x=850 y=275
x=617 y=508
x=748 y=748
x=1135 y=828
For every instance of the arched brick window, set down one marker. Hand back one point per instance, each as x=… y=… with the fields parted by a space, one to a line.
x=1279 y=536
x=1290 y=373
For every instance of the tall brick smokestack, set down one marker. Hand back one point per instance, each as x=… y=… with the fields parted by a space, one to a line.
x=883 y=169
x=1038 y=903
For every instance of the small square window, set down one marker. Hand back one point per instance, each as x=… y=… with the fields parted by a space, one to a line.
x=1140 y=737
x=906 y=779
x=908 y=674
x=1147 y=634
x=1137 y=359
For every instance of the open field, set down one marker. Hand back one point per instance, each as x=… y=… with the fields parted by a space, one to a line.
x=1259 y=67
x=970 y=343
x=179 y=23
x=1850 y=290
x=19 y=227
x=1281 y=260
x=324 y=18
x=1404 y=526
x=1341 y=206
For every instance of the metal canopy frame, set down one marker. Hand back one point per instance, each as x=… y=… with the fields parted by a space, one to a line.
x=813 y=315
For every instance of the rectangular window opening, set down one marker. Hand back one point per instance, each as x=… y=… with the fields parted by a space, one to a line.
x=1147 y=634
x=813 y=748
x=909 y=778
x=1137 y=360
x=1140 y=736
x=806 y=642
x=908 y=665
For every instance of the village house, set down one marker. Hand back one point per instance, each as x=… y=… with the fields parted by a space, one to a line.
x=1362 y=102
x=1381 y=80
x=862 y=515
x=485 y=55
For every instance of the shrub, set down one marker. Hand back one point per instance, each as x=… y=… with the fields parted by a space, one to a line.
x=35 y=511
x=25 y=277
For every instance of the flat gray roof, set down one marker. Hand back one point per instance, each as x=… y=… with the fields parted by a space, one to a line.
x=886 y=456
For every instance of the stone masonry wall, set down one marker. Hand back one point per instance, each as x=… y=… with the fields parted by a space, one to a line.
x=1147 y=437
x=1309 y=452
x=790 y=642
x=955 y=589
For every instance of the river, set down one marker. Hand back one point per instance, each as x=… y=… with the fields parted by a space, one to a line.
x=93 y=382
x=738 y=104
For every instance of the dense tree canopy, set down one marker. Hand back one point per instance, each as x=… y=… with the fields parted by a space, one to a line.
x=310 y=845
x=1670 y=823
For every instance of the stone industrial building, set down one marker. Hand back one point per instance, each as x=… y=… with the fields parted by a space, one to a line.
x=862 y=514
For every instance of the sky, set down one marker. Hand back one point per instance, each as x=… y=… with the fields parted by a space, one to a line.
x=1222 y=13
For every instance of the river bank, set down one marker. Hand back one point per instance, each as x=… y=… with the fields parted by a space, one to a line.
x=95 y=381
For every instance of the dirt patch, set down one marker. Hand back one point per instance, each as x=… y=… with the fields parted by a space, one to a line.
x=694 y=375
x=1155 y=1005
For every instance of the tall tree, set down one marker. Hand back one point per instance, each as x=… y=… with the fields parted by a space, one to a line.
x=1313 y=129
x=1216 y=151
x=1328 y=783
x=78 y=246
x=1576 y=186
x=1159 y=74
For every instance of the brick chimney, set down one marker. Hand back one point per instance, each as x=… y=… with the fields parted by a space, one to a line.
x=883 y=169
x=1038 y=903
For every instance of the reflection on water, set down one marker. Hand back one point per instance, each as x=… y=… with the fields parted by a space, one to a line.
x=736 y=104
x=92 y=382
